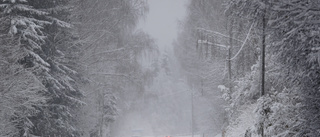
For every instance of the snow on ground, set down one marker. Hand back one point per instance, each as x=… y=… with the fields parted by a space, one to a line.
x=242 y=123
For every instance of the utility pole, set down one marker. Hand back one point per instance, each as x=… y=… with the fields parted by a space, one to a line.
x=208 y=40
x=229 y=56
x=263 y=54
x=202 y=92
x=263 y=51
x=101 y=105
x=192 y=112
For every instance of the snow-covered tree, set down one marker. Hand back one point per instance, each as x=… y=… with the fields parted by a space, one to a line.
x=291 y=68
x=21 y=93
x=202 y=62
x=296 y=43
x=111 y=52
x=35 y=29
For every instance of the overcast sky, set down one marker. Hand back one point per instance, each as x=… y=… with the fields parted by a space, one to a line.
x=161 y=22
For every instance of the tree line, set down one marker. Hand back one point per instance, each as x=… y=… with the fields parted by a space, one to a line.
x=65 y=63
x=273 y=46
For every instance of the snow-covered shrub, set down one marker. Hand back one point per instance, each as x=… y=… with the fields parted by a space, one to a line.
x=245 y=92
x=244 y=123
x=279 y=111
x=280 y=114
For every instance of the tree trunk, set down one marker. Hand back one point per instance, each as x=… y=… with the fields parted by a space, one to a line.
x=229 y=56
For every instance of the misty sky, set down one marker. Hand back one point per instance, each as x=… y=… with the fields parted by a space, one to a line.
x=161 y=22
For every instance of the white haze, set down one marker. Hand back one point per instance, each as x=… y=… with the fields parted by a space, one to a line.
x=165 y=107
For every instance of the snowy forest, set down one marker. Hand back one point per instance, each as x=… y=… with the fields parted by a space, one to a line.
x=84 y=68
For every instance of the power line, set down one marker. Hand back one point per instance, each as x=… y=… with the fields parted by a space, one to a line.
x=219 y=34
x=242 y=44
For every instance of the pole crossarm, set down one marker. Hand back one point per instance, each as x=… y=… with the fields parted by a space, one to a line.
x=210 y=43
x=218 y=34
x=224 y=46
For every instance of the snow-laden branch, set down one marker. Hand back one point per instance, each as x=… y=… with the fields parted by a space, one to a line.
x=109 y=74
x=107 y=51
x=316 y=49
x=128 y=77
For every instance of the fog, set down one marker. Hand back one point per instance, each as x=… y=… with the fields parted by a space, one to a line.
x=159 y=68
x=165 y=108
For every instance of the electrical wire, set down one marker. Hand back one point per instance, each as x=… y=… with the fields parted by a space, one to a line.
x=244 y=42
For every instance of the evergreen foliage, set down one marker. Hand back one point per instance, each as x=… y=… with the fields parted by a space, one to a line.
x=292 y=80
x=37 y=45
x=291 y=104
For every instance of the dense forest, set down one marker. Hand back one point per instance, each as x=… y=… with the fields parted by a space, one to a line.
x=268 y=51
x=65 y=63
x=80 y=68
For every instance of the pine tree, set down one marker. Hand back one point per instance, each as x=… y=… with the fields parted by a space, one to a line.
x=21 y=93
x=110 y=54
x=42 y=43
x=296 y=39
x=293 y=36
